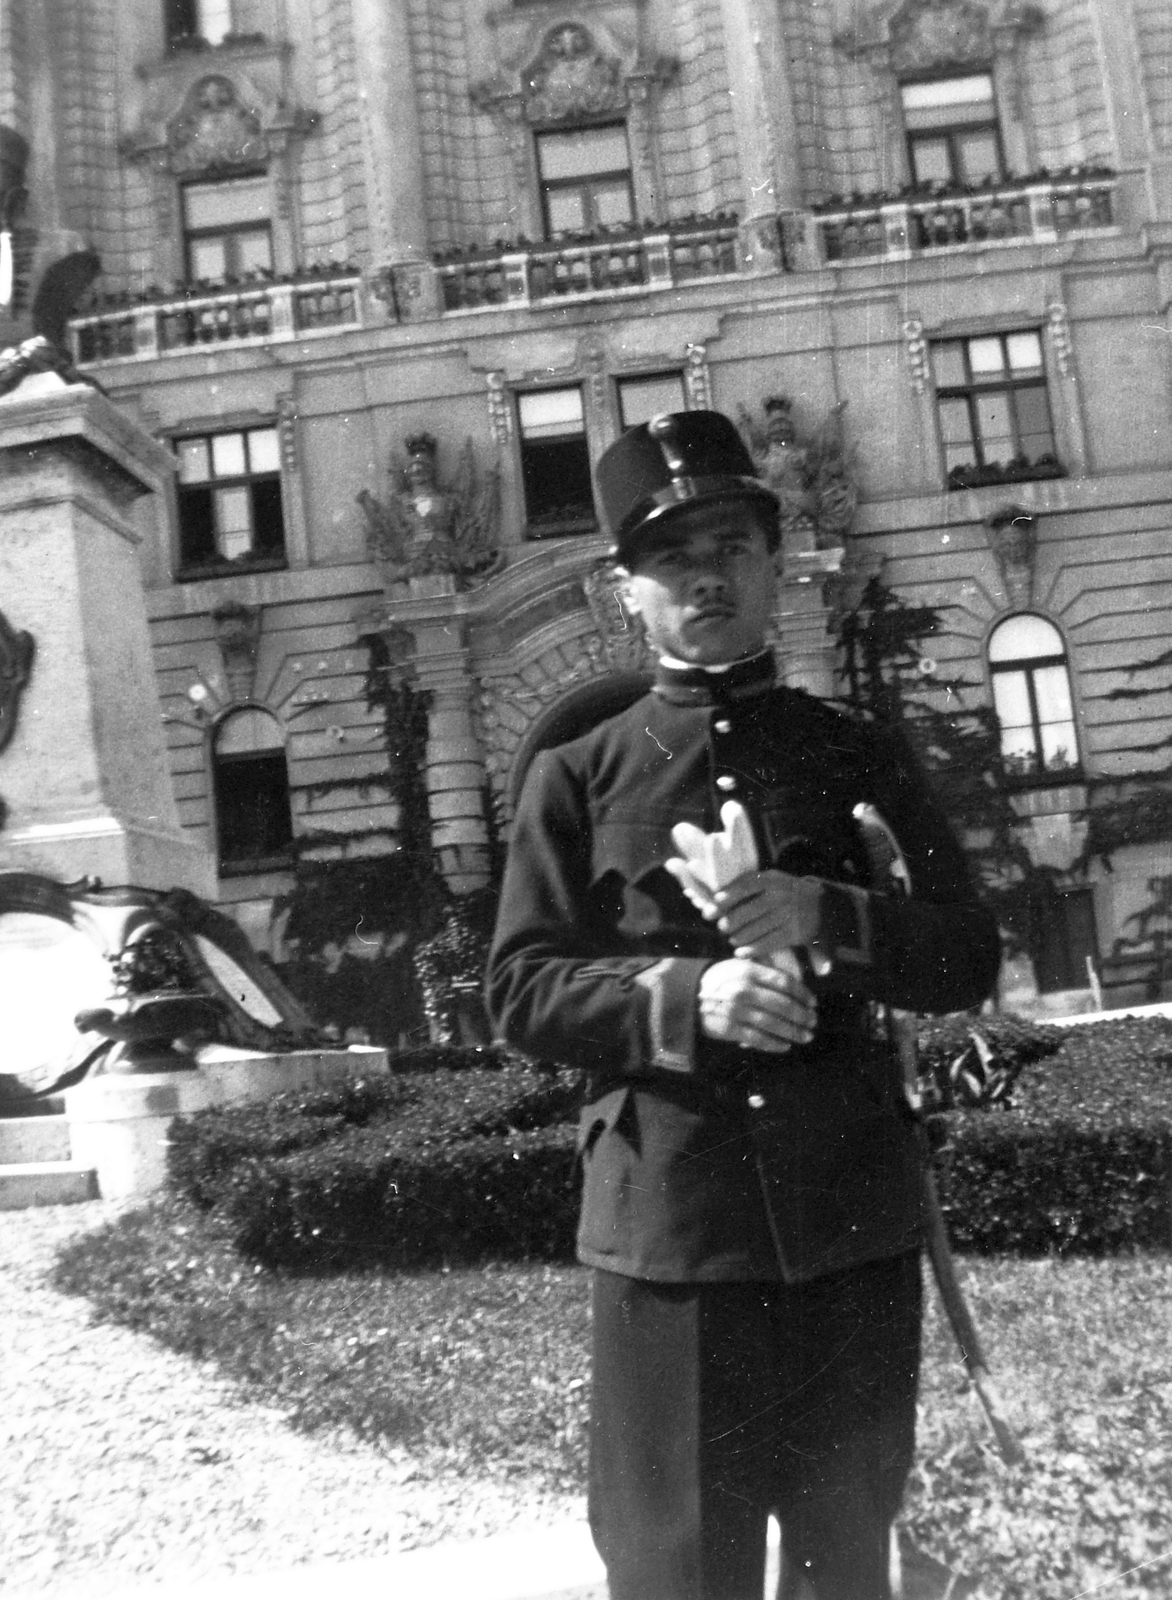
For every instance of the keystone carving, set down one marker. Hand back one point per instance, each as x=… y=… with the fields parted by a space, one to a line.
x=238 y=630
x=1013 y=538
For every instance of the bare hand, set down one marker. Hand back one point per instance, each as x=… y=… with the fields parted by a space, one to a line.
x=764 y=913
x=755 y=1006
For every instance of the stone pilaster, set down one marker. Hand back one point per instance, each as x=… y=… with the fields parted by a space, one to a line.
x=394 y=159
x=86 y=776
x=767 y=132
x=455 y=761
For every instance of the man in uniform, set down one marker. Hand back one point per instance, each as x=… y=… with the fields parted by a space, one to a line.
x=752 y=1193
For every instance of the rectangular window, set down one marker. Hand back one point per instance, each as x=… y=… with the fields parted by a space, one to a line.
x=230 y=500
x=1065 y=941
x=994 y=409
x=197 y=19
x=642 y=398
x=585 y=176
x=254 y=827
x=226 y=228
x=952 y=131
x=555 y=462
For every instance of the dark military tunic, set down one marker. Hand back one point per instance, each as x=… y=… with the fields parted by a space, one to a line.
x=703 y=1161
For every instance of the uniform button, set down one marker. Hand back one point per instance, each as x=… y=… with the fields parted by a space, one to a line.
x=723 y=726
x=726 y=782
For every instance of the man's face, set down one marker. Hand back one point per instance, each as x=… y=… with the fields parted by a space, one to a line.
x=704 y=583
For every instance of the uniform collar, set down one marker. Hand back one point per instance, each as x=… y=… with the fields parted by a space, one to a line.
x=686 y=685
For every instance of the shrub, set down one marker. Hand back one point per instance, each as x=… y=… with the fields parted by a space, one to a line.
x=455 y=1155
x=1082 y=1162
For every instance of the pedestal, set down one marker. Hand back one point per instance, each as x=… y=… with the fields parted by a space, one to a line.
x=118 y=1126
x=86 y=777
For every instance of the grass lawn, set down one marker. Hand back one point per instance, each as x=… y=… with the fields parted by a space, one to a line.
x=484 y=1371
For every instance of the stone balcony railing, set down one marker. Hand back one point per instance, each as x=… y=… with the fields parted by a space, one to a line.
x=193 y=316
x=605 y=263
x=1040 y=209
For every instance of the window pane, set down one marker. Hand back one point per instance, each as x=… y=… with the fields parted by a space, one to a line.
x=1025 y=637
x=958 y=98
x=567 y=211
x=995 y=426
x=1011 y=701
x=931 y=160
x=955 y=424
x=264 y=454
x=640 y=399
x=208 y=258
x=556 y=478
x=612 y=203
x=233 y=522
x=197 y=527
x=254 y=251
x=193 y=460
x=1059 y=750
x=215 y=19
x=548 y=413
x=948 y=364
x=986 y=358
x=582 y=151
x=268 y=518
x=218 y=205
x=228 y=455
x=1052 y=688
x=1035 y=434
x=252 y=809
x=979 y=155
x=1025 y=352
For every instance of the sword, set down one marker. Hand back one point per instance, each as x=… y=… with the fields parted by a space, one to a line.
x=888 y=865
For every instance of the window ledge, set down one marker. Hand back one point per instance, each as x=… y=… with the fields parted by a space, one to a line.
x=230 y=569
x=256 y=865
x=1021 y=471
x=561 y=527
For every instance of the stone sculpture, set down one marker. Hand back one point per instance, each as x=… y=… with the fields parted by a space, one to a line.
x=425 y=530
x=811 y=473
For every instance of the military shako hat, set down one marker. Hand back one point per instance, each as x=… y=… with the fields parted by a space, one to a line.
x=678 y=459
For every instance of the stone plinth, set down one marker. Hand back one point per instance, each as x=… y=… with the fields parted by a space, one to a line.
x=118 y=1122
x=85 y=778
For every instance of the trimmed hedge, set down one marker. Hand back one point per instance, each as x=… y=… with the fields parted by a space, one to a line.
x=462 y=1154
x=1081 y=1163
x=455 y=1156
x=951 y=1069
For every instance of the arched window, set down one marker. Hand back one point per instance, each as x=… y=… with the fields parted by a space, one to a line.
x=1031 y=695
x=250 y=782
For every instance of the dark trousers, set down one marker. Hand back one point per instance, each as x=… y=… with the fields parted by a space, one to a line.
x=718 y=1404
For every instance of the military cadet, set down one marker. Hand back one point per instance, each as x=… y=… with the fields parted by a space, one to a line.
x=752 y=1202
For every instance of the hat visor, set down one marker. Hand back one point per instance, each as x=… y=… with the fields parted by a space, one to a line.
x=679 y=495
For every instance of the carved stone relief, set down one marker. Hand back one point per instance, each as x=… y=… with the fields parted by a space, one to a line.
x=238 y=629
x=924 y=35
x=1012 y=533
x=223 y=120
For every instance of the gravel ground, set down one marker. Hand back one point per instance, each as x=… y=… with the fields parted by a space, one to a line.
x=121 y=1461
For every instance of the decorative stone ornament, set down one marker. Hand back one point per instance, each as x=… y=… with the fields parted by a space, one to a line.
x=926 y=35
x=572 y=78
x=223 y=122
x=810 y=471
x=238 y=629
x=1013 y=538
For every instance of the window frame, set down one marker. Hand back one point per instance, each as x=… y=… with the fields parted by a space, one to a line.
x=1019 y=468
x=230 y=233
x=278 y=860
x=623 y=379
x=546 y=186
x=557 y=522
x=177 y=36
x=1040 y=776
x=949 y=131
x=189 y=568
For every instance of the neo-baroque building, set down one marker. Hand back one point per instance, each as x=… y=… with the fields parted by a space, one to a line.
x=388 y=275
